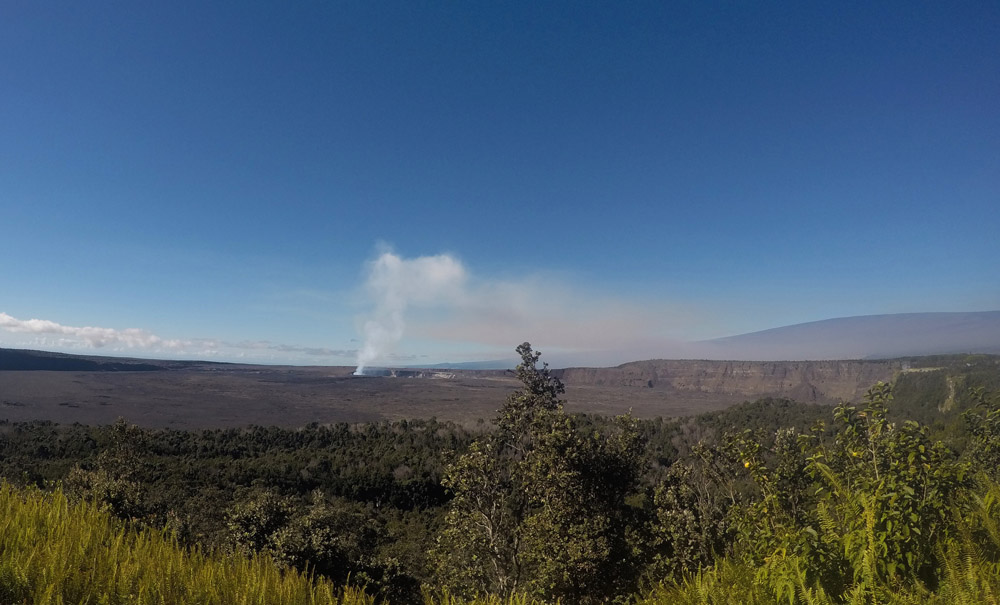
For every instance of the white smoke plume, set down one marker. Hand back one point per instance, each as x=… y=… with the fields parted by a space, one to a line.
x=395 y=284
x=439 y=303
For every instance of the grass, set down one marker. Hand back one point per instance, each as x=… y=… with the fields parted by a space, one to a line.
x=969 y=578
x=55 y=552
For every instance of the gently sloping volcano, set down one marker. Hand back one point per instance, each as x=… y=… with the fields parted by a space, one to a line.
x=865 y=337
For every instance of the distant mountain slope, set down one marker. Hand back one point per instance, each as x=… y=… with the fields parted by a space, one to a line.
x=860 y=337
x=864 y=337
x=28 y=360
x=16 y=359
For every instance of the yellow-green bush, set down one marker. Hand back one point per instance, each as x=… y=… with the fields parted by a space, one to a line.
x=54 y=552
x=970 y=574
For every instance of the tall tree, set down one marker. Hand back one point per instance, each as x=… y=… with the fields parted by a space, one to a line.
x=540 y=504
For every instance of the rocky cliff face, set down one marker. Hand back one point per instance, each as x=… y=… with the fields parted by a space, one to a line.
x=808 y=381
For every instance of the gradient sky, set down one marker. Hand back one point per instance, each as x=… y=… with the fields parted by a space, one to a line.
x=225 y=179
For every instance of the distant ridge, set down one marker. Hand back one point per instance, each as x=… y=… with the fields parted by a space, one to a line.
x=30 y=360
x=865 y=337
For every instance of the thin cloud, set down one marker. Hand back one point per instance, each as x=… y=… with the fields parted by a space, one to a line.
x=90 y=336
x=48 y=333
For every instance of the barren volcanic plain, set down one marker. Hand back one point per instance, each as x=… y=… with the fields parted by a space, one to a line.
x=192 y=395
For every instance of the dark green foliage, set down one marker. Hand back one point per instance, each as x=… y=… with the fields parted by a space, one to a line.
x=983 y=422
x=936 y=391
x=338 y=540
x=926 y=395
x=688 y=529
x=538 y=394
x=116 y=479
x=540 y=505
x=764 y=414
x=256 y=524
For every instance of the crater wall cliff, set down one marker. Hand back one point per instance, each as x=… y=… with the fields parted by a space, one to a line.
x=808 y=381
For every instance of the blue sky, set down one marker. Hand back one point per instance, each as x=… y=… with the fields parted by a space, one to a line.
x=274 y=181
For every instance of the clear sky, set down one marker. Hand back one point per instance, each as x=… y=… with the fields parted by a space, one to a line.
x=303 y=181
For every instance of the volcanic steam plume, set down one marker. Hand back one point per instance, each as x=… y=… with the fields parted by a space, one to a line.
x=394 y=284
